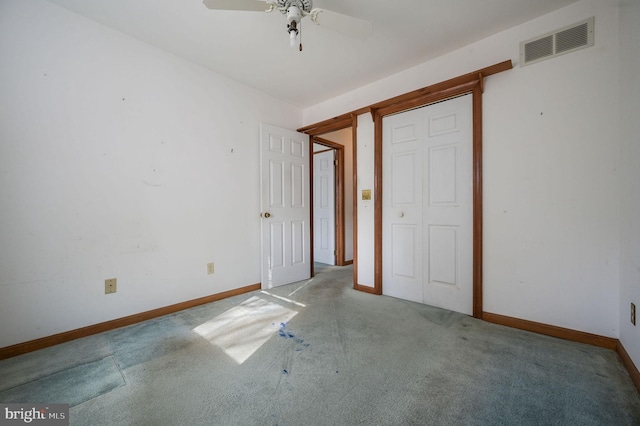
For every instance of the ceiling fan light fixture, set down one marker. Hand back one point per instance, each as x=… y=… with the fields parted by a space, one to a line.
x=295 y=11
x=294 y=16
x=293 y=33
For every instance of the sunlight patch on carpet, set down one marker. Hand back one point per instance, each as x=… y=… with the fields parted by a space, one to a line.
x=284 y=299
x=241 y=330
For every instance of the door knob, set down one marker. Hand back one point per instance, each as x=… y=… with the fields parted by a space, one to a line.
x=267 y=215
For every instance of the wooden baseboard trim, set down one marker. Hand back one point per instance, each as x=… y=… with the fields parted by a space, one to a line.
x=629 y=365
x=551 y=330
x=67 y=336
x=348 y=262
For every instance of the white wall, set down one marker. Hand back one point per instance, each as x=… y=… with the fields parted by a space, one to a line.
x=552 y=183
x=118 y=160
x=551 y=180
x=365 y=214
x=630 y=172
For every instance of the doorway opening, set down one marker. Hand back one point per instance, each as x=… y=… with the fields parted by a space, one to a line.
x=325 y=229
x=332 y=222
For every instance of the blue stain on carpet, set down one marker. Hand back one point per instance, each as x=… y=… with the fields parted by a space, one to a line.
x=289 y=335
x=72 y=386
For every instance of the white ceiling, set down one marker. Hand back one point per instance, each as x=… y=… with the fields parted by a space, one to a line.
x=253 y=47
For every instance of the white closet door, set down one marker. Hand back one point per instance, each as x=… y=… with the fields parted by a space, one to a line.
x=428 y=205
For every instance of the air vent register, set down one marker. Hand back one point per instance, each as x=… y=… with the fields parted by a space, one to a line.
x=565 y=40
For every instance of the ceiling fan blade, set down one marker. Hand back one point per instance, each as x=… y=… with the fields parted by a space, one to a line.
x=247 y=5
x=344 y=24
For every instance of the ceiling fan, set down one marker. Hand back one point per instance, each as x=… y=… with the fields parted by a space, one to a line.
x=295 y=10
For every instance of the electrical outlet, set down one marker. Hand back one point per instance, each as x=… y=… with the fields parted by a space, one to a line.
x=110 y=286
x=633 y=313
x=210 y=268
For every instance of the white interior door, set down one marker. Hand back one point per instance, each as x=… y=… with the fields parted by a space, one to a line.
x=324 y=207
x=285 y=206
x=428 y=205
